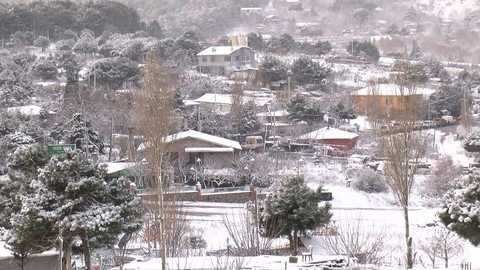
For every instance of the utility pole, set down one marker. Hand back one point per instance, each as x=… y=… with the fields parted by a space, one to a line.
x=111 y=140
x=85 y=130
x=95 y=77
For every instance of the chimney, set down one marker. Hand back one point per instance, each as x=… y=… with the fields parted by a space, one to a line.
x=243 y=40
x=235 y=41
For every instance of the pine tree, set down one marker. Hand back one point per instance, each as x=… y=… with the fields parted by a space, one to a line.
x=22 y=169
x=460 y=209
x=76 y=135
x=345 y=112
x=306 y=71
x=71 y=198
x=248 y=123
x=472 y=141
x=272 y=69
x=301 y=110
x=293 y=209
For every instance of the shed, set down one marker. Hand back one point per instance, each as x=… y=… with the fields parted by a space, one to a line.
x=331 y=136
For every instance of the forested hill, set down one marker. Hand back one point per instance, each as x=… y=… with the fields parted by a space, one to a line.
x=205 y=17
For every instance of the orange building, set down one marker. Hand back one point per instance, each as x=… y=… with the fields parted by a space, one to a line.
x=384 y=98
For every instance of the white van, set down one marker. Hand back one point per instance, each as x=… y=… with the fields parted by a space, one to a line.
x=253 y=143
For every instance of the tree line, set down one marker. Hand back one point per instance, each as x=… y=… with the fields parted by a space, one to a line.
x=52 y=18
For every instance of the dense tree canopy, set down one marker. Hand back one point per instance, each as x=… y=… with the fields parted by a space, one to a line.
x=54 y=17
x=272 y=69
x=447 y=97
x=113 y=72
x=301 y=109
x=293 y=209
x=363 y=48
x=281 y=45
x=70 y=197
x=15 y=85
x=307 y=71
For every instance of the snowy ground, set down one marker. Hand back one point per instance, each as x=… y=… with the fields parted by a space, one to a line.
x=378 y=209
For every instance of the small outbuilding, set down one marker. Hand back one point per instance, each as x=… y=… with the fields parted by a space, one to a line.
x=331 y=136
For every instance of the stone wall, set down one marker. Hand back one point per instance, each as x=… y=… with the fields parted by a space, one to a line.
x=198 y=196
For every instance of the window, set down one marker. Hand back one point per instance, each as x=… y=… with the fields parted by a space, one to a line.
x=247 y=58
x=237 y=58
x=204 y=59
x=228 y=58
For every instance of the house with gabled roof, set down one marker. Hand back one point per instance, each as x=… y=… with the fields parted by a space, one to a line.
x=331 y=136
x=188 y=147
x=222 y=103
x=223 y=60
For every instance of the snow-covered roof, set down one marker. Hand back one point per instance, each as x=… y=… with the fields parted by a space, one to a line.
x=392 y=90
x=277 y=124
x=6 y=253
x=198 y=136
x=251 y=8
x=274 y=113
x=209 y=150
x=190 y=103
x=203 y=137
x=31 y=110
x=328 y=133
x=220 y=50
x=45 y=84
x=113 y=167
x=227 y=99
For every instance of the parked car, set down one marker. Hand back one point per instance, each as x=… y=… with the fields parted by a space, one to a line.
x=428 y=124
x=253 y=143
x=273 y=140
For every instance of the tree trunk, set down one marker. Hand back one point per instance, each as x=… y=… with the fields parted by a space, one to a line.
x=86 y=251
x=446 y=259
x=67 y=255
x=290 y=240
x=408 y=239
x=295 y=241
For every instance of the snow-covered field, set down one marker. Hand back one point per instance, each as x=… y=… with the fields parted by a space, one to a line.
x=377 y=210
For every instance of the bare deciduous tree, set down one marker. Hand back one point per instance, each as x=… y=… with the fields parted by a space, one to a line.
x=356 y=238
x=403 y=147
x=155 y=103
x=228 y=263
x=442 y=244
x=243 y=230
x=443 y=177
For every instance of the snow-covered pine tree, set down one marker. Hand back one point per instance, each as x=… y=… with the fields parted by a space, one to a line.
x=22 y=169
x=25 y=237
x=460 y=212
x=293 y=209
x=76 y=135
x=472 y=141
x=248 y=123
x=71 y=197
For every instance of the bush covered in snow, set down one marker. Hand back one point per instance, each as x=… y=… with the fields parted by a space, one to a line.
x=444 y=176
x=370 y=182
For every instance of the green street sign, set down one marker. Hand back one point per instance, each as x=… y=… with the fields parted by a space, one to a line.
x=60 y=148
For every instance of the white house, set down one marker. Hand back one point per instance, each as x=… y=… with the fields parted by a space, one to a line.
x=223 y=60
x=222 y=103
